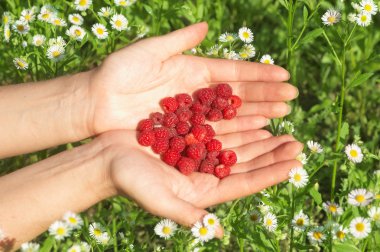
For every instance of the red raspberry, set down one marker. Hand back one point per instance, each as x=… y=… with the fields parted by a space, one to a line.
x=184 y=114
x=184 y=100
x=177 y=143
x=169 y=104
x=160 y=146
x=198 y=118
x=182 y=128
x=190 y=139
x=199 y=132
x=157 y=118
x=171 y=157
x=198 y=107
x=215 y=115
x=170 y=120
x=212 y=156
x=214 y=145
x=146 y=138
x=206 y=96
x=161 y=133
x=210 y=133
x=146 y=124
x=229 y=113
x=235 y=101
x=222 y=171
x=186 y=165
x=219 y=103
x=223 y=90
x=196 y=151
x=172 y=132
x=227 y=157
x=207 y=167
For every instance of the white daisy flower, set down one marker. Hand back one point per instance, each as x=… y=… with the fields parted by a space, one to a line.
x=356 y=6
x=7 y=33
x=316 y=235
x=76 y=32
x=331 y=17
x=56 y=21
x=165 y=228
x=214 y=50
x=270 y=222
x=73 y=220
x=264 y=208
x=247 y=51
x=332 y=208
x=227 y=37
x=55 y=52
x=254 y=216
x=302 y=158
x=104 y=238
x=363 y=19
x=298 y=177
x=360 y=227
x=82 y=5
x=105 y=12
x=369 y=7
x=27 y=15
x=100 y=31
x=119 y=22
x=352 y=17
x=38 y=40
x=74 y=248
x=30 y=247
x=300 y=221
x=46 y=13
x=211 y=220
x=360 y=197
x=314 y=147
x=96 y=230
x=84 y=246
x=287 y=126
x=374 y=213
x=246 y=35
x=24 y=44
x=267 y=59
x=21 y=27
x=76 y=19
x=203 y=233
x=57 y=41
x=20 y=63
x=232 y=55
x=340 y=233
x=124 y=3
x=60 y=230
x=7 y=18
x=354 y=153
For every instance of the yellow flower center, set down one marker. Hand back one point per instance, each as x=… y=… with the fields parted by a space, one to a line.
x=78 y=32
x=360 y=227
x=5 y=19
x=300 y=222
x=97 y=232
x=297 y=177
x=7 y=33
x=269 y=222
x=317 y=235
x=367 y=7
x=72 y=220
x=82 y=2
x=166 y=230
x=363 y=18
x=28 y=17
x=61 y=231
x=20 y=28
x=56 y=54
x=203 y=231
x=376 y=216
x=45 y=16
x=229 y=38
x=353 y=153
x=211 y=221
x=340 y=235
x=75 y=19
x=333 y=208
x=331 y=19
x=377 y=196
x=254 y=217
x=100 y=31
x=20 y=64
x=123 y=3
x=267 y=61
x=360 y=198
x=244 y=55
x=118 y=23
x=245 y=35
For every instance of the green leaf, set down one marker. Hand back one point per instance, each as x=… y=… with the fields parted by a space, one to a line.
x=345 y=247
x=47 y=245
x=358 y=80
x=284 y=3
x=316 y=195
x=305 y=14
x=311 y=35
x=344 y=131
x=148 y=9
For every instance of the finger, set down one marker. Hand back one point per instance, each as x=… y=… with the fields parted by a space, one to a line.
x=241 y=138
x=286 y=151
x=238 y=124
x=267 y=109
x=252 y=150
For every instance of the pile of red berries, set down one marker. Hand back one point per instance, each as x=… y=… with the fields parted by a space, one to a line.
x=181 y=135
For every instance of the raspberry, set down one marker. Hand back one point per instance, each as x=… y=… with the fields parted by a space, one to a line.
x=223 y=90
x=146 y=124
x=177 y=143
x=186 y=165
x=171 y=157
x=172 y=132
x=157 y=118
x=222 y=171
x=207 y=167
x=182 y=128
x=206 y=96
x=227 y=157
x=161 y=133
x=146 y=138
x=210 y=133
x=229 y=112
x=198 y=118
x=235 y=101
x=160 y=146
x=169 y=104
x=215 y=115
x=190 y=139
x=184 y=100
x=170 y=120
x=199 y=132
x=184 y=114
x=214 y=145
x=220 y=103
x=212 y=156
x=198 y=107
x=196 y=151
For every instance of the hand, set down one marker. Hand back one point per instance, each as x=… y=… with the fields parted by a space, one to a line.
x=130 y=82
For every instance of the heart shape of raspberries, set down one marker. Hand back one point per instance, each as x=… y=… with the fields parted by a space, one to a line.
x=182 y=137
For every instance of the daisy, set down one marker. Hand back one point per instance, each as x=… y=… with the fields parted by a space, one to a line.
x=119 y=22
x=104 y=238
x=76 y=32
x=7 y=18
x=374 y=213
x=264 y=208
x=300 y=221
x=352 y=17
x=85 y=247
x=56 y=21
x=316 y=235
x=105 y=12
x=360 y=197
x=288 y=126
x=360 y=227
x=21 y=27
x=247 y=51
x=24 y=44
x=165 y=228
x=354 y=153
x=331 y=17
x=82 y=5
x=227 y=37
x=76 y=19
x=38 y=40
x=46 y=13
x=369 y=7
x=30 y=247
x=267 y=59
x=363 y=19
x=211 y=220
x=298 y=177
x=7 y=33
x=214 y=50
x=27 y=16
x=59 y=230
x=232 y=55
x=302 y=158
x=340 y=233
x=123 y=3
x=20 y=63
x=254 y=216
x=73 y=220
x=55 y=52
x=74 y=248
x=270 y=222
x=314 y=147
x=356 y=6
x=100 y=31
x=332 y=208
x=203 y=233
x=57 y=41
x=246 y=35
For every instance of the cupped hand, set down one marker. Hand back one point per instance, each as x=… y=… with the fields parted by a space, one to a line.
x=130 y=82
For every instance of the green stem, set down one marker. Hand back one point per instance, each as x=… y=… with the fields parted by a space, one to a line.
x=114 y=230
x=290 y=222
x=332 y=48
x=349 y=37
